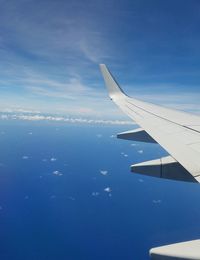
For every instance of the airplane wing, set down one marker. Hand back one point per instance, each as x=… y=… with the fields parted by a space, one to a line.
x=188 y=250
x=177 y=132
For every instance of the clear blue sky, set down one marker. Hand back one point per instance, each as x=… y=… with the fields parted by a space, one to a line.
x=50 y=51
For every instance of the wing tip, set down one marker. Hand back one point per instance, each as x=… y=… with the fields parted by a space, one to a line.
x=112 y=85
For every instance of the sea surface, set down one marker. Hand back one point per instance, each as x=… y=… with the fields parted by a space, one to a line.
x=67 y=193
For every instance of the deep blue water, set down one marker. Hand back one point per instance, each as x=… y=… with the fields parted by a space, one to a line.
x=68 y=214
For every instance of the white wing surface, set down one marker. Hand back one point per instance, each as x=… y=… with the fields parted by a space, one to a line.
x=186 y=251
x=177 y=132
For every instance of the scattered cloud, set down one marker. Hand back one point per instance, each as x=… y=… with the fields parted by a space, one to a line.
x=25 y=157
x=156 y=201
x=107 y=189
x=58 y=173
x=71 y=198
x=140 y=151
x=104 y=172
x=53 y=159
x=133 y=144
x=124 y=154
x=95 y=193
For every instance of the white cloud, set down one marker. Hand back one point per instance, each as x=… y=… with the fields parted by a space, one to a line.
x=71 y=198
x=156 y=201
x=58 y=173
x=95 y=193
x=5 y=117
x=133 y=144
x=107 y=189
x=53 y=159
x=50 y=53
x=39 y=117
x=50 y=66
x=93 y=47
x=19 y=110
x=104 y=172
x=140 y=151
x=25 y=157
x=74 y=89
x=124 y=154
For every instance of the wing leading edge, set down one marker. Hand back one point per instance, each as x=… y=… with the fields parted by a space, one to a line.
x=177 y=132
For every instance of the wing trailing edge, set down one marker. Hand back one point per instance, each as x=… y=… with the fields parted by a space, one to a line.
x=138 y=135
x=165 y=168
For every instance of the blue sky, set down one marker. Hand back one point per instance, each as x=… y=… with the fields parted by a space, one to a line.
x=50 y=51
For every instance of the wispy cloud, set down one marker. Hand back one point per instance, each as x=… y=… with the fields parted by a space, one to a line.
x=93 y=47
x=64 y=38
x=50 y=59
x=52 y=64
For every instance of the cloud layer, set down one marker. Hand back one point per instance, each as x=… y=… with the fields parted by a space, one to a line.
x=39 y=117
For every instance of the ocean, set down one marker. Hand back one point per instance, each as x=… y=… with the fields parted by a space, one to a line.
x=66 y=192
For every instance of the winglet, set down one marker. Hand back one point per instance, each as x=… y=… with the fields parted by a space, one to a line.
x=111 y=84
